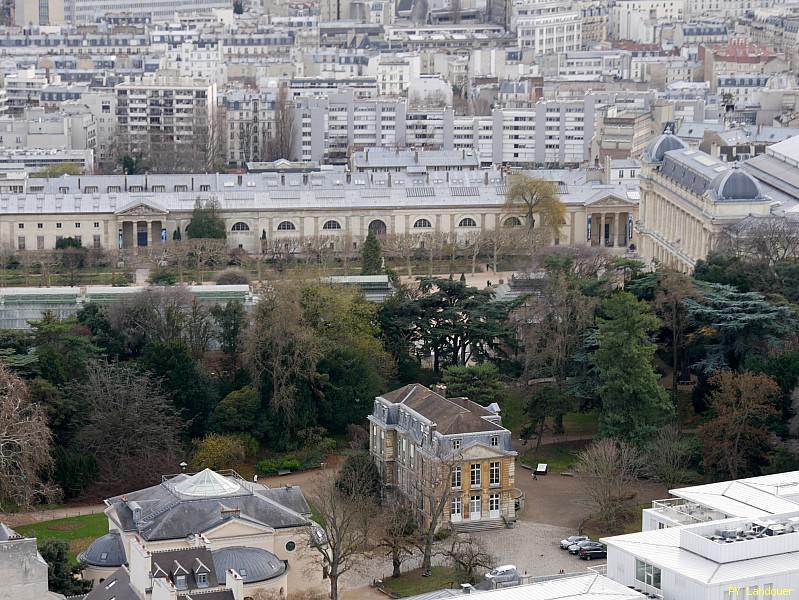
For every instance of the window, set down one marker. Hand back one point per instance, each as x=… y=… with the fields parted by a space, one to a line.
x=40 y=242
x=467 y=222
x=512 y=222
x=21 y=226
x=77 y=225
x=240 y=226
x=96 y=224
x=456 y=444
x=205 y=188
x=422 y=224
x=202 y=579
x=475 y=475
x=455 y=506
x=647 y=574
x=39 y=225
x=180 y=582
x=290 y=546
x=493 y=502
x=286 y=226
x=456 y=478
x=493 y=474
x=63 y=190
x=96 y=241
x=58 y=225
x=495 y=440
x=78 y=240
x=331 y=225
x=21 y=242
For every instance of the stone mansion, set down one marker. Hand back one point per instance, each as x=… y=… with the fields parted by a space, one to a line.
x=339 y=208
x=432 y=449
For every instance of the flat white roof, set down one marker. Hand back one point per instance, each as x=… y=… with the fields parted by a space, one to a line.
x=661 y=548
x=752 y=497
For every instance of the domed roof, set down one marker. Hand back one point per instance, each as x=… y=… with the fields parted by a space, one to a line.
x=106 y=551
x=207 y=484
x=664 y=143
x=253 y=564
x=736 y=184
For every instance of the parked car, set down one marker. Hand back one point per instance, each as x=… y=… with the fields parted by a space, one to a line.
x=571 y=540
x=575 y=548
x=593 y=550
x=503 y=574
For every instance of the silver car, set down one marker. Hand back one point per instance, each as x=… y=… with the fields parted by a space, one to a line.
x=570 y=541
x=503 y=574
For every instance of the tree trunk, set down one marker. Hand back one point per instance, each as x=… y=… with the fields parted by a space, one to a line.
x=674 y=367
x=333 y=586
x=558 y=425
x=396 y=563
x=427 y=557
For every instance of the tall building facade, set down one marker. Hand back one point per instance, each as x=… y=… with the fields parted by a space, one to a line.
x=38 y=12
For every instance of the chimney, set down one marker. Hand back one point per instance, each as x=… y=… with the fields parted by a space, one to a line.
x=467 y=588
x=441 y=389
x=235 y=583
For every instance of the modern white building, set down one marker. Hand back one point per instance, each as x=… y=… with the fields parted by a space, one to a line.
x=547 y=27
x=88 y=11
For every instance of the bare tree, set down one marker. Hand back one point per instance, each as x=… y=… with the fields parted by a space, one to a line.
x=25 y=442
x=281 y=143
x=668 y=456
x=468 y=557
x=398 y=528
x=129 y=424
x=763 y=239
x=501 y=241
x=403 y=246
x=476 y=242
x=349 y=517
x=206 y=252
x=613 y=467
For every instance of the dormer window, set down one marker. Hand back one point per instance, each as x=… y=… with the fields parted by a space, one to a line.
x=456 y=444
x=202 y=579
x=495 y=440
x=181 y=582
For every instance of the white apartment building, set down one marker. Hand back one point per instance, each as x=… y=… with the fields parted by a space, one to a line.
x=636 y=19
x=429 y=127
x=594 y=65
x=38 y=12
x=329 y=126
x=726 y=8
x=102 y=105
x=24 y=89
x=88 y=11
x=36 y=129
x=200 y=59
x=547 y=28
x=165 y=107
x=475 y=135
x=394 y=72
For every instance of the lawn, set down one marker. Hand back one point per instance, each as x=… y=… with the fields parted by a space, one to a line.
x=78 y=532
x=560 y=456
x=412 y=582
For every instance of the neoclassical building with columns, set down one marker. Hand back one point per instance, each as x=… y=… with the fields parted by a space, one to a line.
x=688 y=198
x=139 y=211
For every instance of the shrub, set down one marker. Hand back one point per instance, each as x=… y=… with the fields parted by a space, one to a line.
x=267 y=466
x=442 y=534
x=290 y=463
x=216 y=451
x=163 y=276
x=232 y=277
x=249 y=443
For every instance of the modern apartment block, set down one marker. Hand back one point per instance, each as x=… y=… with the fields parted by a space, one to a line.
x=428 y=447
x=165 y=108
x=547 y=27
x=88 y=11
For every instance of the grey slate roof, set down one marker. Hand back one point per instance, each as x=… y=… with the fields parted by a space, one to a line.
x=189 y=562
x=6 y=533
x=105 y=551
x=656 y=151
x=736 y=184
x=116 y=586
x=253 y=564
x=168 y=514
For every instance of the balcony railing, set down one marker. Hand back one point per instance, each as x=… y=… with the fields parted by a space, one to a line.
x=684 y=512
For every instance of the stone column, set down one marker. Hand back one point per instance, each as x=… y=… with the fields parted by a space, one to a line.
x=602 y=230
x=614 y=220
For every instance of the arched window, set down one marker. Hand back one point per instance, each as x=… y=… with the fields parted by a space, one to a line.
x=377 y=227
x=286 y=226
x=240 y=226
x=467 y=222
x=422 y=224
x=512 y=222
x=331 y=225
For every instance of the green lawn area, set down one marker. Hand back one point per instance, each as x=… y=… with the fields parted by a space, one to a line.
x=412 y=582
x=559 y=456
x=78 y=532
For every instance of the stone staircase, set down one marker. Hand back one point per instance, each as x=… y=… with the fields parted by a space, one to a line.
x=482 y=525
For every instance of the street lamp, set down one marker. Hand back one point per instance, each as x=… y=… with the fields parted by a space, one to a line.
x=183 y=466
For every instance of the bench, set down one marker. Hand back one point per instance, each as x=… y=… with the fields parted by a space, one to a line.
x=284 y=471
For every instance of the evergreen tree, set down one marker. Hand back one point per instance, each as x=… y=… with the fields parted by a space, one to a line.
x=634 y=405
x=60 y=575
x=206 y=223
x=371 y=257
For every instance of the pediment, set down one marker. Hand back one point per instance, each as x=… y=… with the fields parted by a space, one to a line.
x=237 y=526
x=612 y=200
x=480 y=451
x=142 y=209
